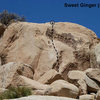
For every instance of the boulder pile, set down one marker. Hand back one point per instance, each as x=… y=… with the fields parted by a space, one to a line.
x=28 y=58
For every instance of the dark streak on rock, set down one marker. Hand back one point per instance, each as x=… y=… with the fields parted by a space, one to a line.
x=66 y=38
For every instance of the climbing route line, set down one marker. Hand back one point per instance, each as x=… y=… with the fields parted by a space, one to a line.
x=56 y=65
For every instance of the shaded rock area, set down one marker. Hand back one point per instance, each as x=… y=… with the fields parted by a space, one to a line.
x=95 y=56
x=2 y=29
x=67 y=66
x=94 y=74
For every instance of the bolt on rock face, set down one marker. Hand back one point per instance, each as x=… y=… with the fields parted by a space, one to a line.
x=52 y=22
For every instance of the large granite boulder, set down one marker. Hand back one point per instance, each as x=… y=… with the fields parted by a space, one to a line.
x=87 y=97
x=50 y=76
x=94 y=74
x=34 y=97
x=11 y=70
x=31 y=43
x=82 y=79
x=62 y=88
x=27 y=82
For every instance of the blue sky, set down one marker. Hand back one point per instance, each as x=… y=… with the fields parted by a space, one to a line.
x=41 y=11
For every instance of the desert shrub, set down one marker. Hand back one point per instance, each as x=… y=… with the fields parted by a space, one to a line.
x=15 y=92
x=6 y=17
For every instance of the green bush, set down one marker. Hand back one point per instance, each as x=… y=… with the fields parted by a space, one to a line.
x=15 y=92
x=6 y=17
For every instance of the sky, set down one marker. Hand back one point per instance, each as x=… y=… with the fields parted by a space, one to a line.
x=42 y=11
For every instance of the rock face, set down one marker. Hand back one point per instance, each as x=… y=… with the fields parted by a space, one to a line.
x=63 y=88
x=84 y=82
x=82 y=86
x=92 y=85
x=6 y=74
x=29 y=57
x=87 y=97
x=10 y=71
x=43 y=98
x=76 y=75
x=95 y=56
x=50 y=76
x=24 y=81
x=31 y=43
x=25 y=70
x=78 y=78
x=94 y=74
